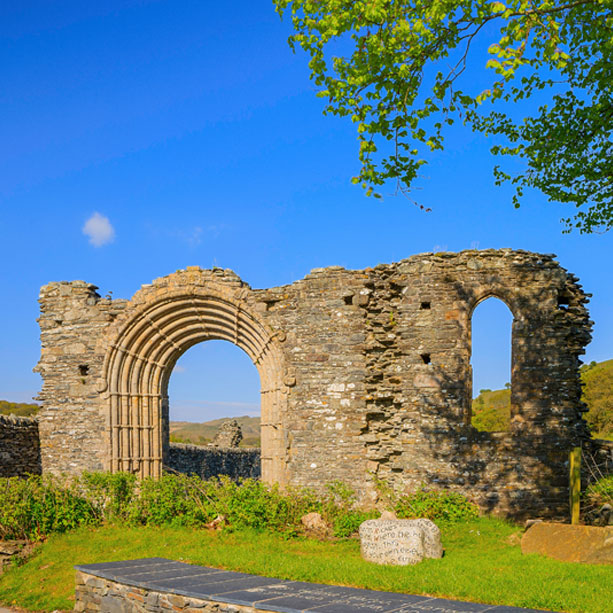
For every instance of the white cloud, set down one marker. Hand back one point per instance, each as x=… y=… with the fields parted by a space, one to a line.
x=191 y=237
x=195 y=237
x=99 y=230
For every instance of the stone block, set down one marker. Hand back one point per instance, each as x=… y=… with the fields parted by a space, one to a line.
x=570 y=543
x=314 y=522
x=399 y=541
x=110 y=604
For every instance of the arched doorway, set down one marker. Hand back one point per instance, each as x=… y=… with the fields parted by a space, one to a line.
x=140 y=361
x=213 y=408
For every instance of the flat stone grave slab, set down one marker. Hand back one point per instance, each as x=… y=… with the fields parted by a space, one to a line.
x=570 y=543
x=213 y=584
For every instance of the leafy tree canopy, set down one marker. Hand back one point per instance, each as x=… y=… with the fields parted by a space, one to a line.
x=394 y=68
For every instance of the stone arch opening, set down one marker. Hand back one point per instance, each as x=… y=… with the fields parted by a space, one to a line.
x=213 y=380
x=491 y=385
x=141 y=359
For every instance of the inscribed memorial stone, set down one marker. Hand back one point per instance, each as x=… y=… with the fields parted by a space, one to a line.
x=399 y=541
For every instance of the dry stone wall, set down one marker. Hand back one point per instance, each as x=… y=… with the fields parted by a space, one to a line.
x=19 y=446
x=207 y=462
x=365 y=374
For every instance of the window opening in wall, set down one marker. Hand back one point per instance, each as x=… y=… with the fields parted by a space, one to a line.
x=426 y=358
x=424 y=306
x=83 y=370
x=563 y=302
x=491 y=366
x=214 y=386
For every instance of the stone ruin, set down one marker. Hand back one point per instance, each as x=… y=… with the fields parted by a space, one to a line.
x=229 y=435
x=365 y=375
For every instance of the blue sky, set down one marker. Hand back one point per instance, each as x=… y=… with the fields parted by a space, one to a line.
x=194 y=130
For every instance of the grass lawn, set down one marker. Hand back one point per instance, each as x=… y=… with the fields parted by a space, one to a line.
x=479 y=564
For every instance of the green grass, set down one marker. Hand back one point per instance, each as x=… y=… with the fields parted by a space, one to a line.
x=479 y=564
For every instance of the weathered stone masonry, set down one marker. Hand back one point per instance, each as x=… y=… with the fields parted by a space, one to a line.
x=19 y=446
x=208 y=462
x=364 y=374
x=98 y=595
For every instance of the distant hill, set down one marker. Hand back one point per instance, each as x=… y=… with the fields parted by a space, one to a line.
x=203 y=433
x=492 y=408
x=22 y=409
x=180 y=431
x=598 y=395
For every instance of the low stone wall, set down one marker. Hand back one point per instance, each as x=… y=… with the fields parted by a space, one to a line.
x=207 y=462
x=94 y=594
x=19 y=446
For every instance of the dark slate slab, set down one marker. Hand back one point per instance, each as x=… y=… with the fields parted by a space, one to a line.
x=146 y=562
x=162 y=575
x=179 y=580
x=301 y=596
x=441 y=605
x=207 y=589
x=141 y=573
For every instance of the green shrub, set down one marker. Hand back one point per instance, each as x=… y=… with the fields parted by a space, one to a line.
x=435 y=504
x=599 y=493
x=253 y=504
x=347 y=523
x=34 y=507
x=170 y=501
x=428 y=503
x=111 y=495
x=339 y=510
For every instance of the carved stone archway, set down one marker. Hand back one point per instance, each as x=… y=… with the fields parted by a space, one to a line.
x=143 y=353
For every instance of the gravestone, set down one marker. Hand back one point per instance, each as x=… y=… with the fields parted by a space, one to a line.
x=399 y=541
x=570 y=542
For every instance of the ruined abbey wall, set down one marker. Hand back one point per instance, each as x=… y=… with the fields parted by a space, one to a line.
x=19 y=446
x=365 y=374
x=207 y=462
